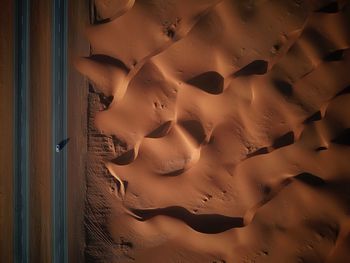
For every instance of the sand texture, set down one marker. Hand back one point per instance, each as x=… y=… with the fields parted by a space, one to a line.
x=219 y=131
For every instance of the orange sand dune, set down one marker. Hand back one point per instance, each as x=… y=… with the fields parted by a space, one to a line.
x=225 y=130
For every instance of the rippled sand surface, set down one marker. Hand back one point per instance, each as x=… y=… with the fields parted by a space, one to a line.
x=219 y=131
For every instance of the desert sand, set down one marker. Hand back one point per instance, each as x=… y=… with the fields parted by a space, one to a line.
x=219 y=131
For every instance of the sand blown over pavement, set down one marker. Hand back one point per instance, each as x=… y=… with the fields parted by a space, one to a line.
x=225 y=130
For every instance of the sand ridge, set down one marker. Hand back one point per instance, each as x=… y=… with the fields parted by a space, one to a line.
x=228 y=128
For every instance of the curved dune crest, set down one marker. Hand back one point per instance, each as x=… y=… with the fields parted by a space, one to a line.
x=107 y=10
x=222 y=133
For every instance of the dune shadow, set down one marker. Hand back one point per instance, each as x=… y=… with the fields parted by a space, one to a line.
x=125 y=158
x=195 y=129
x=109 y=60
x=283 y=87
x=314 y=117
x=336 y=55
x=343 y=138
x=160 y=131
x=321 y=148
x=284 y=140
x=210 y=82
x=310 y=179
x=204 y=223
x=344 y=91
x=332 y=7
x=175 y=173
x=319 y=42
x=105 y=100
x=263 y=150
x=257 y=67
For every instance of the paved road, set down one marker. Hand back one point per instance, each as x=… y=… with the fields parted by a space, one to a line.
x=59 y=132
x=21 y=143
x=59 y=128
